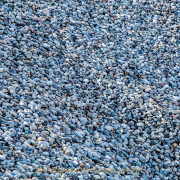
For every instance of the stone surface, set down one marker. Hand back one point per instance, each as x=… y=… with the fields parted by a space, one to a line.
x=89 y=84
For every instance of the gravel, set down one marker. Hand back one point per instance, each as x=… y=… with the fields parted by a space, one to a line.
x=87 y=84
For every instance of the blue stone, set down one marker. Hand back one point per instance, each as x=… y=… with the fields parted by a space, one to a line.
x=100 y=130
x=24 y=146
x=106 y=133
x=120 y=140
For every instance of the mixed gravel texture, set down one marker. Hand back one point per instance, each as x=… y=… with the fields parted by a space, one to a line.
x=90 y=84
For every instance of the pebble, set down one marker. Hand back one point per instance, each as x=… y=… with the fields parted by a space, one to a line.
x=79 y=134
x=108 y=128
x=97 y=177
x=2 y=158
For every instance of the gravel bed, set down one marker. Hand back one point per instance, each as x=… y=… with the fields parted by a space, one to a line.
x=90 y=84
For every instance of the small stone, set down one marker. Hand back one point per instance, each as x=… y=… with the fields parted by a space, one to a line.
x=49 y=83
x=45 y=45
x=108 y=128
x=148 y=89
x=2 y=157
x=1 y=152
x=83 y=121
x=79 y=134
x=97 y=177
x=81 y=165
x=75 y=163
x=40 y=170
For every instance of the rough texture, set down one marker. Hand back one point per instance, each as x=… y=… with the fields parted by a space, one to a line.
x=89 y=84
